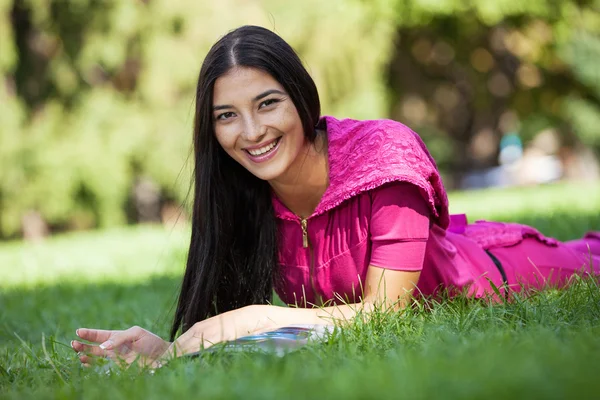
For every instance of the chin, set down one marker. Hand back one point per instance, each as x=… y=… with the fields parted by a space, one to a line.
x=267 y=172
x=267 y=175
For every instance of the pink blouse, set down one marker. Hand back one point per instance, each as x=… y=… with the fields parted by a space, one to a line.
x=387 y=227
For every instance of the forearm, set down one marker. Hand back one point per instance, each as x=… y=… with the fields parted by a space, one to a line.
x=385 y=289
x=285 y=316
x=257 y=319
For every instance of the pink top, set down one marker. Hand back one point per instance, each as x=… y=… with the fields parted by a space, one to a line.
x=387 y=208
x=388 y=227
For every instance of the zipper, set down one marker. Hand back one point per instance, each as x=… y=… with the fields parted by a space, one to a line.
x=304 y=226
x=311 y=271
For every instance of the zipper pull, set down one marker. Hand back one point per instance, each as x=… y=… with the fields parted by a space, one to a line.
x=303 y=224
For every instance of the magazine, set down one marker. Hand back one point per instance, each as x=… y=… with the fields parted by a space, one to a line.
x=280 y=341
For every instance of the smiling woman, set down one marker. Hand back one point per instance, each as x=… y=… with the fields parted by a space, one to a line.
x=340 y=214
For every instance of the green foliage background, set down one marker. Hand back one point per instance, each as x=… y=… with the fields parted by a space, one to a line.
x=96 y=94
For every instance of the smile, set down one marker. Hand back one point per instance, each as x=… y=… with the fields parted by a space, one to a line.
x=265 y=149
x=264 y=153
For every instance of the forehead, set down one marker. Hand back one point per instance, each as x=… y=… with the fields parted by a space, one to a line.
x=241 y=84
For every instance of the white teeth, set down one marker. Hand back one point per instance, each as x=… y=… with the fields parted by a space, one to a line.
x=263 y=150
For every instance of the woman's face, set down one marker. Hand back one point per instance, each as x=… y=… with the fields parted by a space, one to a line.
x=256 y=122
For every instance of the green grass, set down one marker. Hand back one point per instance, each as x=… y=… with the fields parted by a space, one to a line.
x=546 y=346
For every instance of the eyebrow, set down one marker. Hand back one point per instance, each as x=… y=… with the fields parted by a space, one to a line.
x=260 y=96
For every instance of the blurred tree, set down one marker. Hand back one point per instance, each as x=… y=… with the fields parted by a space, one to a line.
x=466 y=73
x=96 y=97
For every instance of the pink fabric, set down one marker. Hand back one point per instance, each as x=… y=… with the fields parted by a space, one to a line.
x=361 y=220
x=341 y=245
x=489 y=234
x=456 y=263
x=388 y=227
x=530 y=259
x=534 y=264
x=399 y=227
x=364 y=155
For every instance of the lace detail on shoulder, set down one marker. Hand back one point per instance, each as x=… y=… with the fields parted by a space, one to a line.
x=364 y=155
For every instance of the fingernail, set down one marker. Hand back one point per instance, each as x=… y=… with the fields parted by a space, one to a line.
x=77 y=333
x=106 y=345
x=73 y=347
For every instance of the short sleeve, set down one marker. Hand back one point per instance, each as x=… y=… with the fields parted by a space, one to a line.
x=399 y=227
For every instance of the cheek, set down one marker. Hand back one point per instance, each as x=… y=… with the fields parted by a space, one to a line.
x=225 y=138
x=292 y=125
x=297 y=130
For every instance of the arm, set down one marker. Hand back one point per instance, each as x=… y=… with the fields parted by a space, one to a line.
x=399 y=229
x=384 y=289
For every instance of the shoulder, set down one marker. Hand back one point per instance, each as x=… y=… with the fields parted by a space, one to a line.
x=379 y=138
x=364 y=155
x=351 y=128
x=377 y=144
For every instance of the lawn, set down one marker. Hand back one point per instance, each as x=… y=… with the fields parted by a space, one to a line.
x=547 y=346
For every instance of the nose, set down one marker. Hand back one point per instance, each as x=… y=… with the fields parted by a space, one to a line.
x=254 y=131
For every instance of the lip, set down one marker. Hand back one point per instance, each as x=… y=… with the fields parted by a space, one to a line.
x=260 y=145
x=265 y=157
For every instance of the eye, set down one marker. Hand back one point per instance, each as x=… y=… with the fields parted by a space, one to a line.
x=225 y=115
x=268 y=102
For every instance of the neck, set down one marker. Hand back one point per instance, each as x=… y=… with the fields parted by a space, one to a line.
x=301 y=187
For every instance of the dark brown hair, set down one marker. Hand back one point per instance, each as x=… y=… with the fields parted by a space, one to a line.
x=232 y=259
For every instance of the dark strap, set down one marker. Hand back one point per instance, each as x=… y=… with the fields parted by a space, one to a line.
x=498 y=265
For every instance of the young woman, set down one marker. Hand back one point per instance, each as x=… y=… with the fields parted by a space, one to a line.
x=340 y=214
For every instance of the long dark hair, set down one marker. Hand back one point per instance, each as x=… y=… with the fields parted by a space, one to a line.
x=232 y=260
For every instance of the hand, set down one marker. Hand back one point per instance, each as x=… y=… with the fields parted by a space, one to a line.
x=123 y=346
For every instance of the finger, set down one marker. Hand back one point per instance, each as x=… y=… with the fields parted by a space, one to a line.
x=76 y=346
x=89 y=349
x=85 y=360
x=88 y=364
x=120 y=339
x=94 y=335
x=158 y=364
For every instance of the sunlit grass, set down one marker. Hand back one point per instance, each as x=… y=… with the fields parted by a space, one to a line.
x=575 y=198
x=119 y=255
x=543 y=347
x=564 y=211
